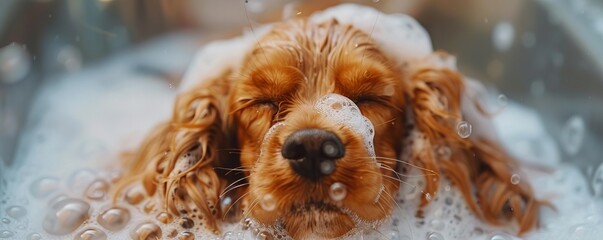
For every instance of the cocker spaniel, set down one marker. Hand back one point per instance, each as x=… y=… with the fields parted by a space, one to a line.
x=312 y=132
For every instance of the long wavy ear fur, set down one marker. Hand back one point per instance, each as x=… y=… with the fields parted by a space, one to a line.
x=479 y=168
x=175 y=162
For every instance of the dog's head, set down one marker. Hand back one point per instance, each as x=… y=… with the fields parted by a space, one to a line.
x=299 y=155
x=317 y=115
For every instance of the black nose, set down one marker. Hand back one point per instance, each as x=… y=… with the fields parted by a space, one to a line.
x=312 y=152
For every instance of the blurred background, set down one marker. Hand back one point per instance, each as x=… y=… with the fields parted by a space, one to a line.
x=545 y=54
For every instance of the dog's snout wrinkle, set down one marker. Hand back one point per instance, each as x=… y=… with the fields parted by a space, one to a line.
x=312 y=152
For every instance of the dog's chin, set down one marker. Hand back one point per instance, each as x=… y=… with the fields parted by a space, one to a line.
x=317 y=220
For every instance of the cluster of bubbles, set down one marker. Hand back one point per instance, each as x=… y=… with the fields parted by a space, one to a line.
x=341 y=110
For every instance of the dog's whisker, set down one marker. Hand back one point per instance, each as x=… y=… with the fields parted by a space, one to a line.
x=234 y=203
x=230 y=149
x=405 y=162
x=400 y=175
x=226 y=189
x=254 y=203
x=230 y=170
x=386 y=122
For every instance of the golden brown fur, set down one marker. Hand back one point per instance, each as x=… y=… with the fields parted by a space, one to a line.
x=290 y=68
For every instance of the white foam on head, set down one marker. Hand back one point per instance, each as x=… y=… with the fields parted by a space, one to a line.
x=343 y=111
x=401 y=37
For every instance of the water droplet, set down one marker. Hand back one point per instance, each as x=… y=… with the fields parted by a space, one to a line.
x=434 y=236
x=299 y=13
x=164 y=217
x=268 y=203
x=502 y=100
x=229 y=236
x=146 y=231
x=327 y=167
x=16 y=212
x=5 y=221
x=34 y=236
x=171 y=86
x=463 y=129
x=376 y=1
x=6 y=234
x=338 y=191
x=515 y=179
x=91 y=234
x=150 y=206
x=186 y=223
x=500 y=237
x=65 y=216
x=448 y=201
x=187 y=236
x=43 y=187
x=97 y=190
x=114 y=219
x=135 y=195
x=572 y=135
x=264 y=235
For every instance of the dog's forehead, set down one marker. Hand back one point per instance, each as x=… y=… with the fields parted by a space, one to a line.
x=316 y=58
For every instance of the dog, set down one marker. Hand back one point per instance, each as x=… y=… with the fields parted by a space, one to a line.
x=288 y=156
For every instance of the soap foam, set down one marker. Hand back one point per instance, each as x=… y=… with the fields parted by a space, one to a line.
x=80 y=123
x=343 y=111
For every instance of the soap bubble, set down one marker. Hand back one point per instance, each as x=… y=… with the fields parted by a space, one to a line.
x=164 y=217
x=91 y=234
x=246 y=223
x=515 y=178
x=572 y=135
x=97 y=190
x=463 y=129
x=327 y=167
x=146 y=231
x=186 y=223
x=268 y=202
x=65 y=216
x=34 y=236
x=114 y=219
x=16 y=212
x=43 y=187
x=263 y=235
x=502 y=100
x=338 y=191
x=434 y=236
x=597 y=181
x=6 y=234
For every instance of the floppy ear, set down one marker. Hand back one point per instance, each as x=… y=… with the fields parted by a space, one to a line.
x=175 y=163
x=477 y=166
